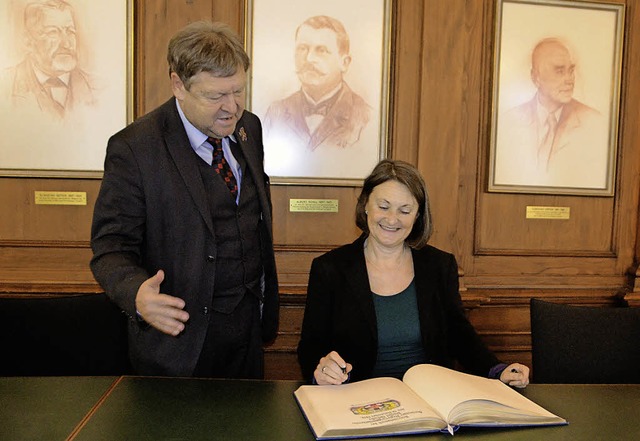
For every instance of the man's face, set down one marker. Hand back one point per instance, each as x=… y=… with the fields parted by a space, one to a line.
x=212 y=104
x=319 y=64
x=52 y=42
x=554 y=74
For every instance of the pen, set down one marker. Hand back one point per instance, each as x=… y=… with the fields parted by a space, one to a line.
x=344 y=369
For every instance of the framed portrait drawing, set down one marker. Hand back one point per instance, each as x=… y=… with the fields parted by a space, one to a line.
x=66 y=79
x=555 y=97
x=319 y=82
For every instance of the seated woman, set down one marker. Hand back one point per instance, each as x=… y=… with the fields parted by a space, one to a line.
x=389 y=301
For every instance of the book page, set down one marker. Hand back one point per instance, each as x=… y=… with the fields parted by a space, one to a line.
x=375 y=406
x=445 y=389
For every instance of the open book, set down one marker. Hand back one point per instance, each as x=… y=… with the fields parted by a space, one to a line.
x=429 y=399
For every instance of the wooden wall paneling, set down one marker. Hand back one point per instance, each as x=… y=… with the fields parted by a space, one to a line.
x=598 y=228
x=476 y=65
x=512 y=272
x=589 y=231
x=441 y=79
x=316 y=229
x=448 y=115
x=630 y=135
x=293 y=265
x=44 y=248
x=280 y=357
x=406 y=77
x=23 y=221
x=505 y=329
x=49 y=269
x=231 y=12
x=629 y=140
x=158 y=21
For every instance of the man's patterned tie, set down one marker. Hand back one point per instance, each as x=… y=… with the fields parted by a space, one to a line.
x=221 y=166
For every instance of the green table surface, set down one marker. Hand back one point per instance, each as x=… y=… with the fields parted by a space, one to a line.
x=47 y=408
x=187 y=409
x=145 y=408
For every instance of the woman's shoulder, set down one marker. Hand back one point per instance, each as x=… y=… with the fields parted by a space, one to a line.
x=429 y=252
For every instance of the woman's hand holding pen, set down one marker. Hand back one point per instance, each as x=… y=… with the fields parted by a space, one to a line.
x=516 y=375
x=332 y=369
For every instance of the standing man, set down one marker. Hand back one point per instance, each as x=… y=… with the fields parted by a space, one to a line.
x=49 y=79
x=181 y=233
x=325 y=111
x=552 y=139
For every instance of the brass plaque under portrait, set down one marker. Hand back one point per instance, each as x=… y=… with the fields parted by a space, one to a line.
x=559 y=213
x=60 y=197
x=313 y=205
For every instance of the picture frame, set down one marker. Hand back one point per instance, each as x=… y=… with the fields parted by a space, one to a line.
x=298 y=55
x=59 y=127
x=555 y=97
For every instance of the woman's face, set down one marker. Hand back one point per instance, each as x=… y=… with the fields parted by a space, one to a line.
x=391 y=212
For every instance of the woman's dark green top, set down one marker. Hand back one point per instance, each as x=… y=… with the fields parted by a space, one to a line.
x=399 y=340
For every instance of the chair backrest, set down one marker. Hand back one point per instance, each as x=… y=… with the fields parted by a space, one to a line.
x=584 y=344
x=70 y=335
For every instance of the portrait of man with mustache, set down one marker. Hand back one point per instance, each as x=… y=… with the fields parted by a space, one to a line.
x=49 y=78
x=325 y=111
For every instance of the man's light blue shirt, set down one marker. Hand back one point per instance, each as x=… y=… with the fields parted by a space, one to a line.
x=201 y=146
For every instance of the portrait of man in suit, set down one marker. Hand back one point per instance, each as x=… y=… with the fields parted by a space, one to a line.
x=49 y=79
x=553 y=139
x=325 y=111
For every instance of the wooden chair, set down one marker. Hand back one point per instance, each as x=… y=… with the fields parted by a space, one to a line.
x=579 y=344
x=62 y=336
